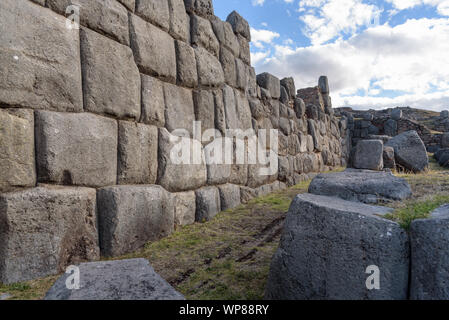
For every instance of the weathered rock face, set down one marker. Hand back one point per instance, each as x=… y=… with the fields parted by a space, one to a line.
x=369 y=155
x=39 y=59
x=270 y=83
x=131 y=216
x=185 y=208
x=17 y=161
x=445 y=140
x=58 y=229
x=131 y=279
x=76 y=149
x=388 y=156
x=410 y=151
x=361 y=185
x=442 y=156
x=229 y=196
x=328 y=244
x=207 y=203
x=430 y=256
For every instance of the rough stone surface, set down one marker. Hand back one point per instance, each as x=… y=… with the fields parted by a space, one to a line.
x=115 y=280
x=154 y=49
x=76 y=149
x=186 y=65
x=444 y=114
x=204 y=108
x=210 y=72
x=361 y=185
x=185 y=208
x=179 y=108
x=137 y=153
x=154 y=11
x=129 y=4
x=17 y=161
x=153 y=101
x=391 y=128
x=271 y=83
x=225 y=35
x=203 y=35
x=327 y=245
x=240 y=25
x=410 y=151
x=174 y=174
x=39 y=59
x=58 y=229
x=445 y=140
x=202 y=8
x=229 y=196
x=107 y=17
x=111 y=81
x=388 y=156
x=179 y=20
x=228 y=62
x=207 y=203
x=396 y=114
x=131 y=216
x=289 y=85
x=369 y=155
x=430 y=256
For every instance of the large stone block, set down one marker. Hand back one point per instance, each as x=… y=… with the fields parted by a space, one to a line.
x=391 y=127
x=361 y=185
x=185 y=208
x=410 y=151
x=129 y=4
x=203 y=35
x=369 y=155
x=45 y=229
x=289 y=85
x=204 y=108
x=228 y=63
x=187 y=73
x=245 y=53
x=210 y=72
x=207 y=203
x=154 y=49
x=179 y=20
x=76 y=149
x=39 y=59
x=111 y=80
x=179 y=108
x=430 y=256
x=107 y=17
x=131 y=279
x=153 y=101
x=229 y=196
x=271 y=83
x=445 y=140
x=181 y=163
x=131 y=216
x=225 y=35
x=327 y=246
x=203 y=8
x=155 y=12
x=17 y=161
x=240 y=25
x=137 y=153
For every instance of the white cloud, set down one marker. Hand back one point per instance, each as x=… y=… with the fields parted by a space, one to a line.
x=258 y=2
x=327 y=19
x=381 y=67
x=260 y=37
x=407 y=4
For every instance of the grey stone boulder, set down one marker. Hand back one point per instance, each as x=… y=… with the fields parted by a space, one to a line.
x=444 y=114
x=179 y=20
x=391 y=127
x=369 y=155
x=203 y=35
x=430 y=256
x=131 y=216
x=225 y=35
x=203 y=8
x=442 y=156
x=181 y=163
x=155 y=12
x=132 y=279
x=445 y=140
x=185 y=208
x=410 y=151
x=388 y=156
x=153 y=101
x=179 y=108
x=229 y=196
x=137 y=153
x=154 y=49
x=114 y=93
x=328 y=244
x=361 y=186
x=210 y=71
x=289 y=85
x=186 y=65
x=323 y=84
x=45 y=229
x=207 y=203
x=270 y=83
x=39 y=59
x=17 y=160
x=129 y=4
x=396 y=114
x=240 y=25
x=228 y=61
x=76 y=149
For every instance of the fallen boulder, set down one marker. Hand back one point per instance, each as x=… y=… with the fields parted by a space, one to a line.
x=430 y=256
x=410 y=151
x=327 y=248
x=131 y=279
x=369 y=155
x=361 y=185
x=442 y=156
x=388 y=155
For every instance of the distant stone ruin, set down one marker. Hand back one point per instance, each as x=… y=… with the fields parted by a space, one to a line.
x=92 y=120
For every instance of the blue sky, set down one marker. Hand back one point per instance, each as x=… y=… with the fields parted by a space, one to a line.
x=376 y=54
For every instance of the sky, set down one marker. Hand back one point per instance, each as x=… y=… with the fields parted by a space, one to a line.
x=376 y=53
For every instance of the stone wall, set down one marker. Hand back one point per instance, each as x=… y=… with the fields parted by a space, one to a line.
x=87 y=121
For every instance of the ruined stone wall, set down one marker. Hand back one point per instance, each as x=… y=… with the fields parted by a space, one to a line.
x=87 y=118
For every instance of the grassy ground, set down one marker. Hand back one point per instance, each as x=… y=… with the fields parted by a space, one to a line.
x=229 y=257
